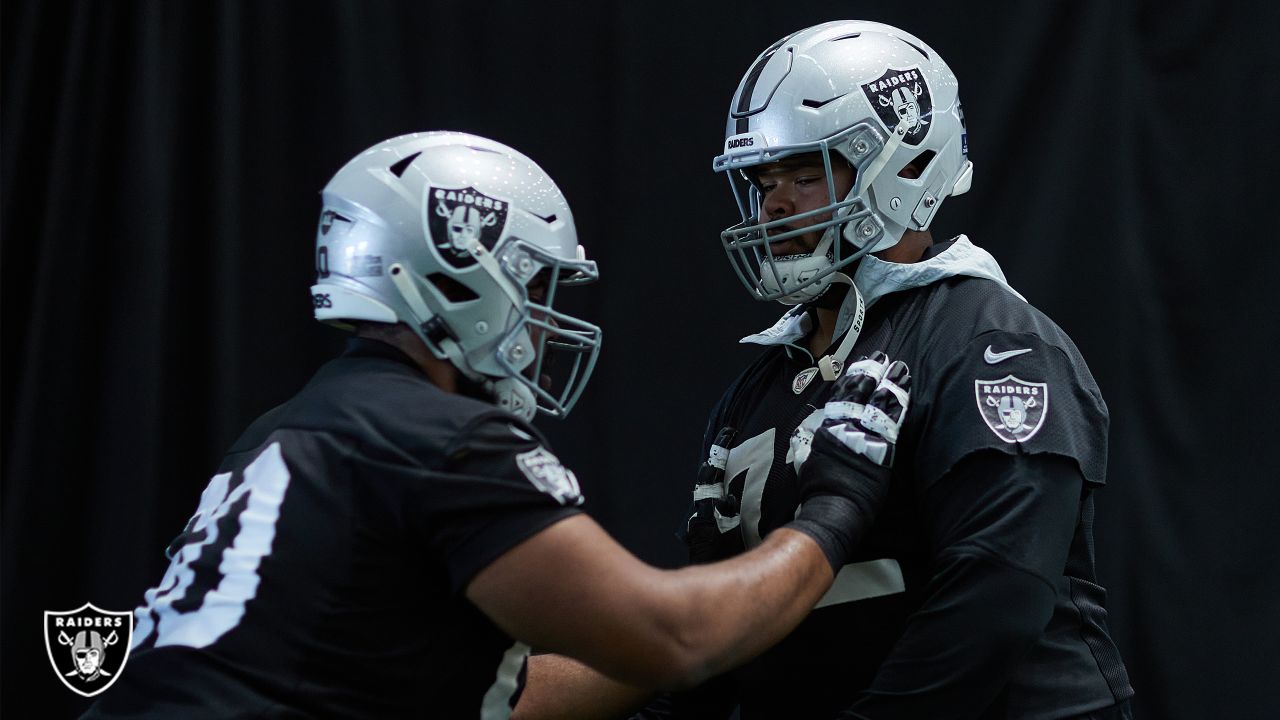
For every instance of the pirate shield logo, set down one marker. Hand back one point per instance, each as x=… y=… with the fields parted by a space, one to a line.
x=902 y=96
x=459 y=219
x=1014 y=409
x=88 y=647
x=547 y=474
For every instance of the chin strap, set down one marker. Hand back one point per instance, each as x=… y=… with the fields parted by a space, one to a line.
x=832 y=365
x=442 y=346
x=873 y=170
x=825 y=242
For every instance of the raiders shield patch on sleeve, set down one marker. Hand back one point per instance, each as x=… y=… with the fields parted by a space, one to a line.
x=547 y=474
x=1014 y=409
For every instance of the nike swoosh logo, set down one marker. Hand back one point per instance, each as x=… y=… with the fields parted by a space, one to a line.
x=994 y=357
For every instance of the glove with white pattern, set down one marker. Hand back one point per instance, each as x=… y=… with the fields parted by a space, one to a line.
x=713 y=532
x=844 y=471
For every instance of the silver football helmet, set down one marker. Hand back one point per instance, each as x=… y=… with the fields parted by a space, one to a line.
x=859 y=92
x=448 y=233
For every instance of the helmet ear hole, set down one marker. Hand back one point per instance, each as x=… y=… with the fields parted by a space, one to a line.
x=916 y=167
x=451 y=289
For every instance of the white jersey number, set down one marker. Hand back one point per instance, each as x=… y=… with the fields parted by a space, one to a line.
x=236 y=526
x=755 y=457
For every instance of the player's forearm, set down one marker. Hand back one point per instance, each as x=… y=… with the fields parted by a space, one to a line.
x=560 y=687
x=572 y=589
x=723 y=614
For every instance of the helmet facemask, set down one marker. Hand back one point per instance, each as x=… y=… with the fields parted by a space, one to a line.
x=546 y=353
x=848 y=226
x=538 y=358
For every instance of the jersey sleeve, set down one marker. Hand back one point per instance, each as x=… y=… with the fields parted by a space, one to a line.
x=1001 y=528
x=498 y=486
x=1013 y=392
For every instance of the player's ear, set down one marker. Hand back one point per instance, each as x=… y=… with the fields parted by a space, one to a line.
x=915 y=168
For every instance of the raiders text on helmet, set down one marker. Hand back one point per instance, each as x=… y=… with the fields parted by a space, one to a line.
x=858 y=92
x=447 y=232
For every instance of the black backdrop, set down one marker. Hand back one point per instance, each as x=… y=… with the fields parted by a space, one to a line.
x=161 y=162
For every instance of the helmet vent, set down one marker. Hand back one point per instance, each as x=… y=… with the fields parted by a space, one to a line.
x=819 y=103
x=917 y=48
x=403 y=164
x=749 y=85
x=850 y=36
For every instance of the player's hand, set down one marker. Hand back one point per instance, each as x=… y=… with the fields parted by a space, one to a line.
x=844 y=479
x=713 y=528
x=866 y=411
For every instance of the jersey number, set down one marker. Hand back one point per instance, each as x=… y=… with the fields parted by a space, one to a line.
x=855 y=581
x=753 y=457
x=214 y=569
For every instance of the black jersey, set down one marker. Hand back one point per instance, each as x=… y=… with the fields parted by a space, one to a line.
x=322 y=575
x=985 y=541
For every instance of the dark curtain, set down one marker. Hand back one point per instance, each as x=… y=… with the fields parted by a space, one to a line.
x=161 y=167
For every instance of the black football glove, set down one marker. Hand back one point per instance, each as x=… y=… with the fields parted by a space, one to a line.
x=844 y=470
x=713 y=528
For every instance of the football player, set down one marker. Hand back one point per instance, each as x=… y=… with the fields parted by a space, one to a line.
x=387 y=542
x=974 y=594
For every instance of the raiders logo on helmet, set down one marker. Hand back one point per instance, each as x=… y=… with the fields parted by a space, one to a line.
x=460 y=219
x=902 y=97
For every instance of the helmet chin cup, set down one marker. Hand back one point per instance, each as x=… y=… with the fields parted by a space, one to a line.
x=807 y=292
x=799 y=279
x=514 y=397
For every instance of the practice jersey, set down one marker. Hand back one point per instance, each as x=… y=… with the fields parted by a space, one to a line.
x=323 y=574
x=1004 y=440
